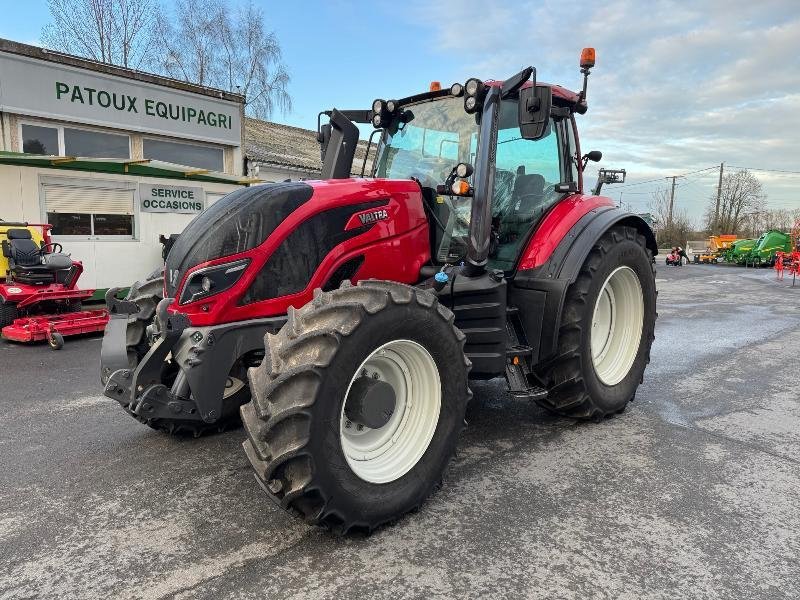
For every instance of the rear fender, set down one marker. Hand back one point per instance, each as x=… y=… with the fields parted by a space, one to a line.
x=539 y=292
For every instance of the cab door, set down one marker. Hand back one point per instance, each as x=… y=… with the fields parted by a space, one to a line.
x=526 y=174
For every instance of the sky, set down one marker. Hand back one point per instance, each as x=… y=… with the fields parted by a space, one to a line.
x=678 y=86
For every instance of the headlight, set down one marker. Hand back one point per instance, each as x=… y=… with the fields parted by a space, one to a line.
x=463 y=170
x=456 y=89
x=469 y=103
x=377 y=121
x=378 y=106
x=391 y=105
x=212 y=280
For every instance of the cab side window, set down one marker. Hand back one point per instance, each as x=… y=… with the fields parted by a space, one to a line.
x=526 y=174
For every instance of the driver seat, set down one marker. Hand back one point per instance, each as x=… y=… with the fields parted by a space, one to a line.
x=28 y=265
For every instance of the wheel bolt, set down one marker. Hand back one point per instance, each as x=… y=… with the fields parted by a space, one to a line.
x=359 y=427
x=347 y=424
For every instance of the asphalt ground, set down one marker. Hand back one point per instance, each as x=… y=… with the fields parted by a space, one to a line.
x=694 y=492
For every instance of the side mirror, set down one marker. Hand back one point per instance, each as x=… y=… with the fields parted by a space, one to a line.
x=535 y=103
x=594 y=156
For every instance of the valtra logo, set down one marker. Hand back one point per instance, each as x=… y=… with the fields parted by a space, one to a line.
x=371 y=217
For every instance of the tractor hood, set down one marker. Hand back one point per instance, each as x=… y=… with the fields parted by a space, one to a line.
x=236 y=223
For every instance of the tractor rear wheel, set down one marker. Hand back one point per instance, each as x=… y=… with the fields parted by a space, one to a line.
x=8 y=313
x=358 y=405
x=146 y=294
x=606 y=329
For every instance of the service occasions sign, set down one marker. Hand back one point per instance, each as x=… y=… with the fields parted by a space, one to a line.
x=171 y=198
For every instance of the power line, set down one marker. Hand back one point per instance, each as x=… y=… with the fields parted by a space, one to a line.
x=663 y=178
x=766 y=170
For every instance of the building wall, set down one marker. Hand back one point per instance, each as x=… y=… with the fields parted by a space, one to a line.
x=107 y=262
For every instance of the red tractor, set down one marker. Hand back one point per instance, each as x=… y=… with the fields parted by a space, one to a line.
x=346 y=316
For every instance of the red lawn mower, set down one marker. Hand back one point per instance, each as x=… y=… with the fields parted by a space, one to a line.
x=347 y=316
x=39 y=299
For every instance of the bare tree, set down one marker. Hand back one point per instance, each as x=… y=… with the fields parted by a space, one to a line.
x=251 y=62
x=742 y=201
x=209 y=44
x=669 y=232
x=111 y=31
x=189 y=44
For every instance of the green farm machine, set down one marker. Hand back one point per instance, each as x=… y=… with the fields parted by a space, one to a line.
x=766 y=248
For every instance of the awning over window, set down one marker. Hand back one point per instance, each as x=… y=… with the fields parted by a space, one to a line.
x=143 y=167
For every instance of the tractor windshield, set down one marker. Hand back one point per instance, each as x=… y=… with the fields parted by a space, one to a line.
x=428 y=142
x=433 y=137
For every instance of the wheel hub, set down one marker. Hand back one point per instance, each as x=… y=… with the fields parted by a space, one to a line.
x=371 y=402
x=391 y=411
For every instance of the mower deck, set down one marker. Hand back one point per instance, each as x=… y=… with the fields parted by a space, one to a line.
x=39 y=327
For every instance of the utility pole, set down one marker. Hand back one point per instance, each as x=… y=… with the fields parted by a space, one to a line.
x=715 y=226
x=671 y=200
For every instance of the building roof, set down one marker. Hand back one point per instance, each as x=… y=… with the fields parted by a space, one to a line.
x=290 y=147
x=100 y=67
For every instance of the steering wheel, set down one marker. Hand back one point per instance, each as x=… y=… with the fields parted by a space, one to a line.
x=54 y=248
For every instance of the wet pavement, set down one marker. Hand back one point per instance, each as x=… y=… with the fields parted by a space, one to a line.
x=694 y=492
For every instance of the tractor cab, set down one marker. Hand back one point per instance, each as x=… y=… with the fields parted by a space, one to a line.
x=500 y=154
x=433 y=135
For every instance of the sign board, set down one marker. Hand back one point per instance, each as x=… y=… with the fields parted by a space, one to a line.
x=171 y=198
x=42 y=89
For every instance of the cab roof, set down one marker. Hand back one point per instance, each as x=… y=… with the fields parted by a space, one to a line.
x=561 y=95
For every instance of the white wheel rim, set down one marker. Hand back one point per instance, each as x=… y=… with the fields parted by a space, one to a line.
x=617 y=325
x=389 y=452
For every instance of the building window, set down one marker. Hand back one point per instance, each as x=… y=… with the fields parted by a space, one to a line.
x=39 y=140
x=89 y=209
x=95 y=144
x=70 y=223
x=191 y=155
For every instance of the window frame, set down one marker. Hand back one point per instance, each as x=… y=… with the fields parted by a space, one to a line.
x=59 y=127
x=184 y=143
x=92 y=183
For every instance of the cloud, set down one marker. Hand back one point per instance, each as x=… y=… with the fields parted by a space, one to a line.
x=678 y=86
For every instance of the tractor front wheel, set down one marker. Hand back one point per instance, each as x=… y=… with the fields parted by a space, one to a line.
x=606 y=329
x=358 y=405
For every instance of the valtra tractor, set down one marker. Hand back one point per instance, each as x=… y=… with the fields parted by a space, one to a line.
x=347 y=316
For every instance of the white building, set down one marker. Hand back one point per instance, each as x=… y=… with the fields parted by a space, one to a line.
x=111 y=157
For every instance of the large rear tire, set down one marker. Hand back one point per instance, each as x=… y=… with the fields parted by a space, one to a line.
x=307 y=441
x=606 y=330
x=146 y=294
